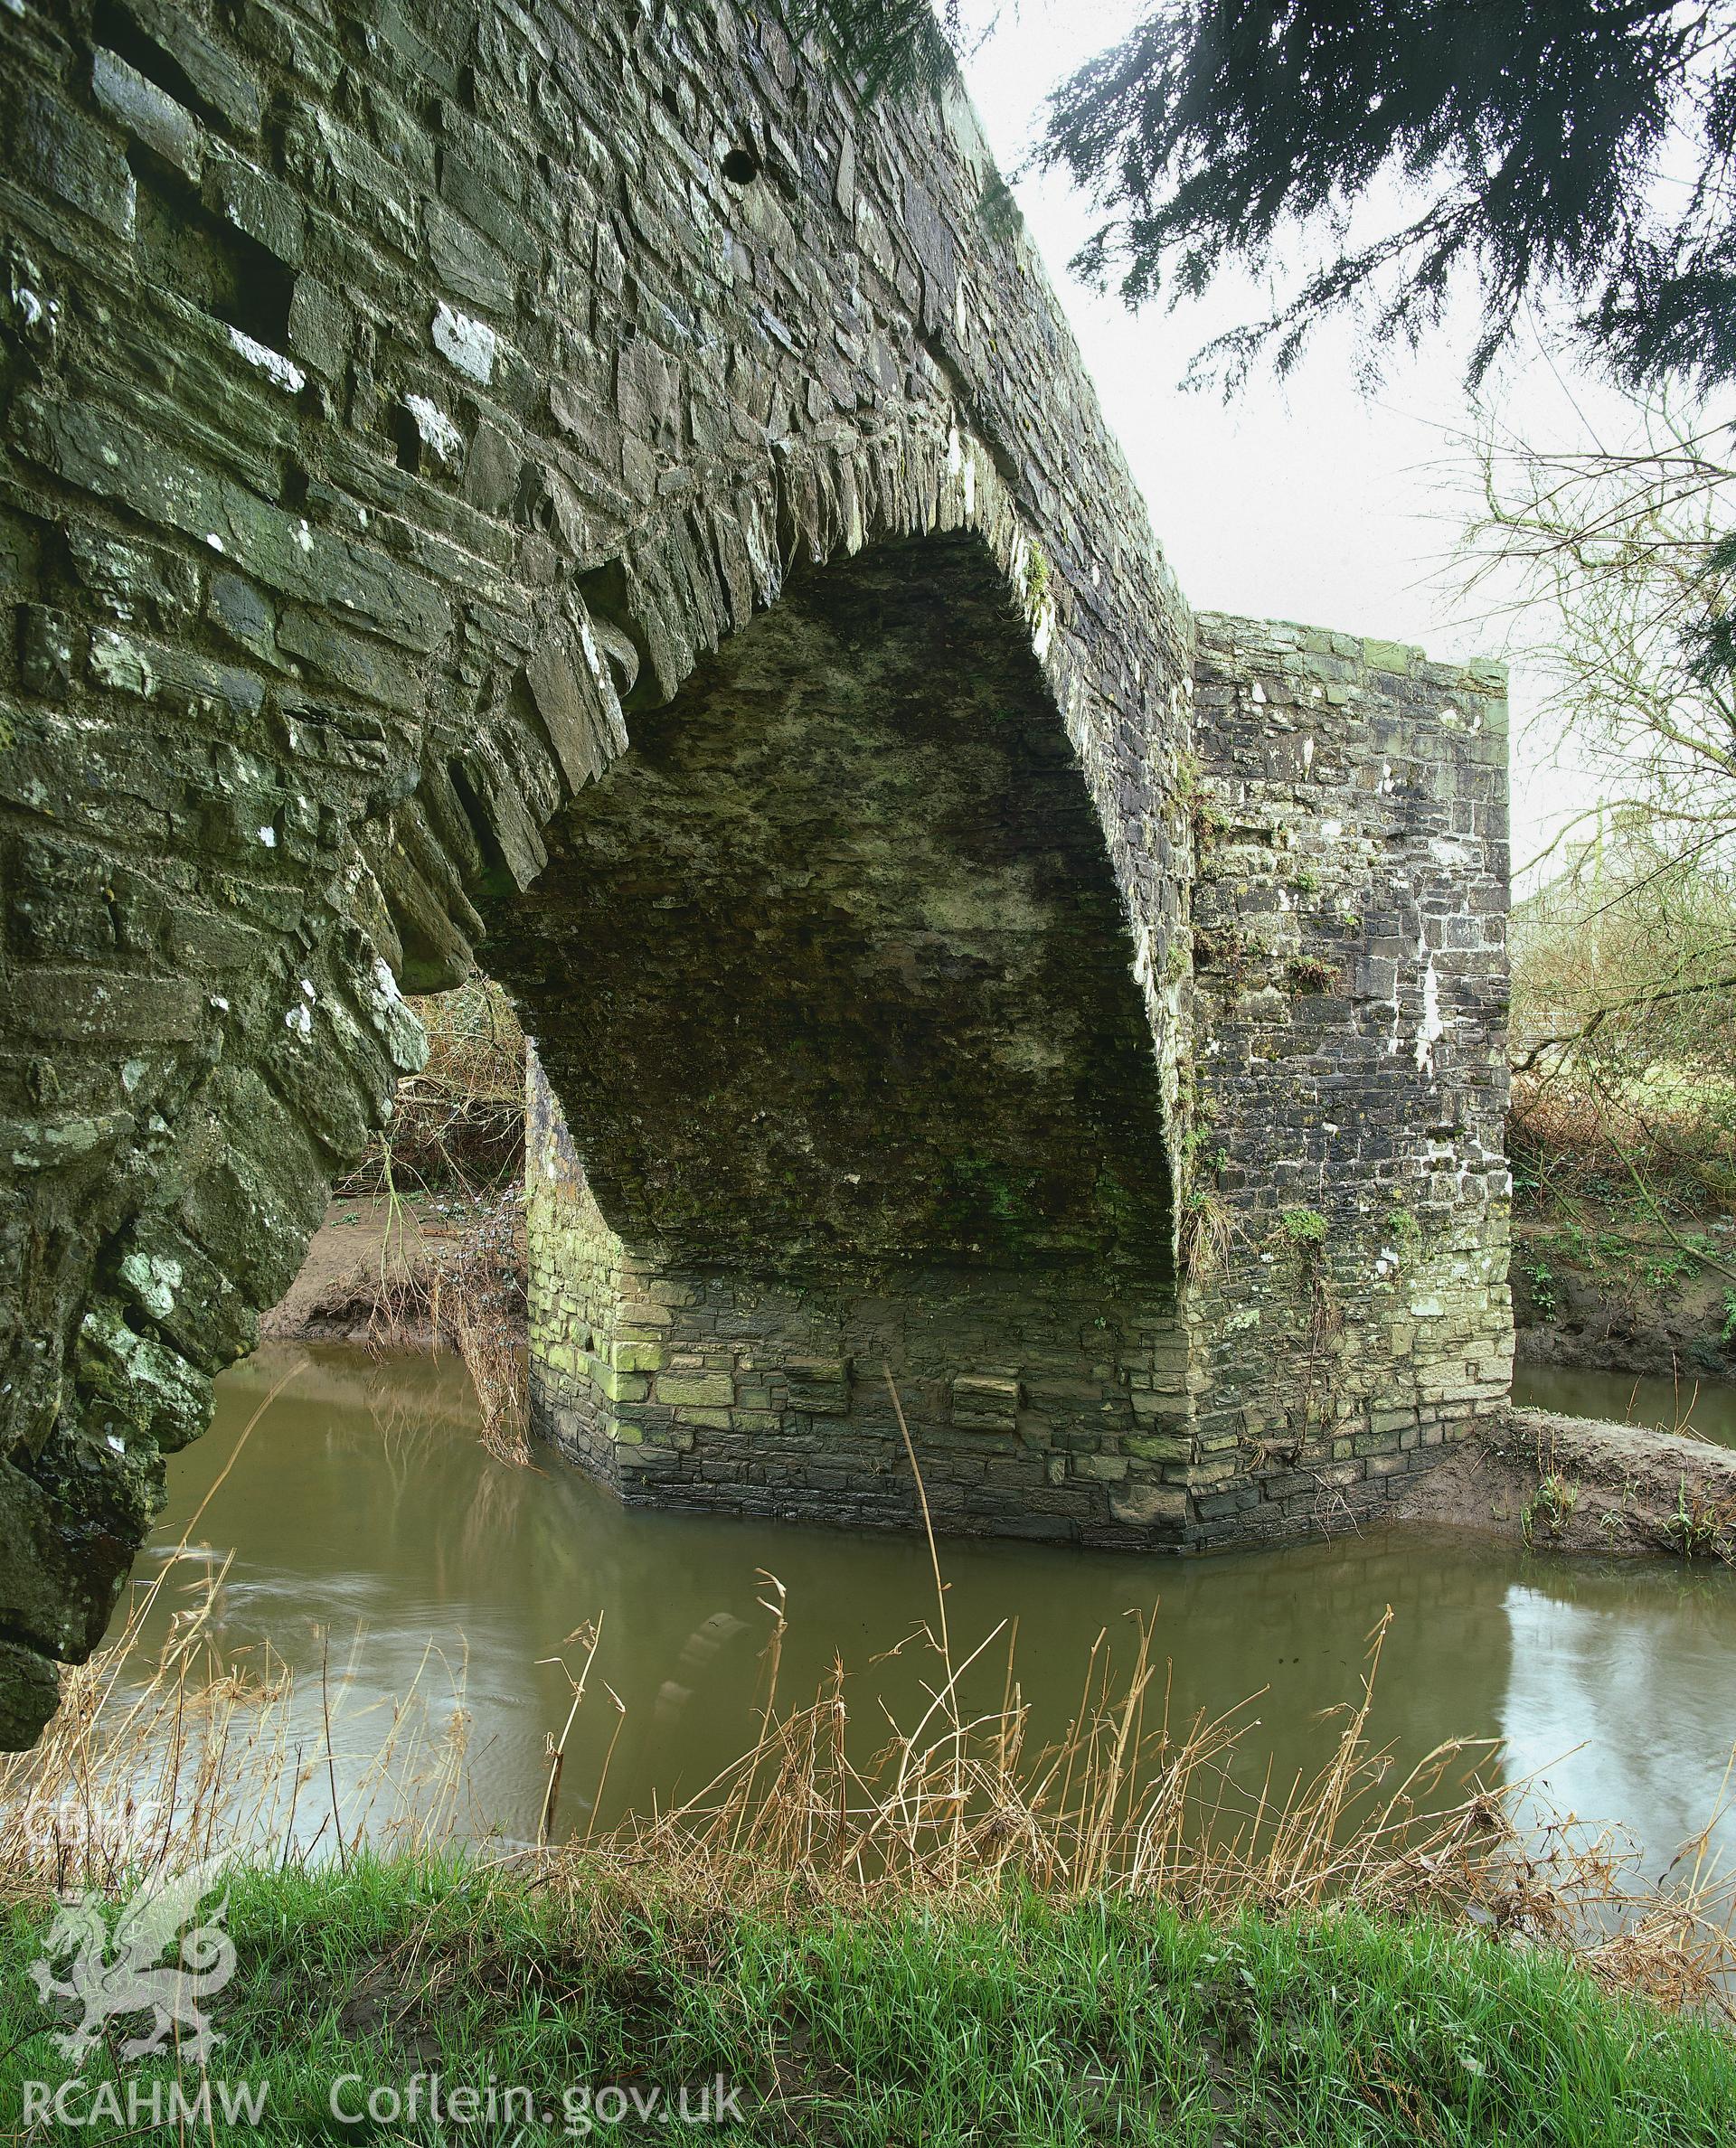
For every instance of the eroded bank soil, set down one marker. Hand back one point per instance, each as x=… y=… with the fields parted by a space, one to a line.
x=1580 y=1485
x=1599 y=1292
x=375 y=1271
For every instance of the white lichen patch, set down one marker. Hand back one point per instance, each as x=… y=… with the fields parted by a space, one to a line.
x=405 y=1039
x=593 y=655
x=1431 y=1029
x=118 y=663
x=281 y=372
x=437 y=430
x=471 y=346
x=155 y=1277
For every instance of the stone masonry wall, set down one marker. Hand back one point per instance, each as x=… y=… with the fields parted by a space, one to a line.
x=399 y=400
x=1346 y=1211
x=396 y=397
x=1344 y=1311
x=1027 y=1395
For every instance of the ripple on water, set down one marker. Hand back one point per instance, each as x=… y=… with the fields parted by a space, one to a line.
x=364 y=1517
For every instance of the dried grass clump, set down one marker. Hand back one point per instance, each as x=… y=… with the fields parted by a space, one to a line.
x=458 y=1130
x=469 y=1291
x=1130 y=1804
x=155 y=1765
x=1127 y=1803
x=159 y=1758
x=460 y=1122
x=1624 y=1022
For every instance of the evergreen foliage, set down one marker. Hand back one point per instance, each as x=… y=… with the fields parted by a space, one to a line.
x=891 y=47
x=1576 y=157
x=1577 y=151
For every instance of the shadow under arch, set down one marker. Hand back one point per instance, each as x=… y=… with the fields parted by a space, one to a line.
x=831 y=982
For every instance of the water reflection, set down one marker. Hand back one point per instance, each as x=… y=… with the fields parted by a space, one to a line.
x=362 y=1507
x=1707 y=1406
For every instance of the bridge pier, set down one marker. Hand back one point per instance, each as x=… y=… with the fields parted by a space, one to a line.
x=1039 y=1405
x=1338 y=1311
x=582 y=488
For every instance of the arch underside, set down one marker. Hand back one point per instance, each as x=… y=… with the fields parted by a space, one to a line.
x=830 y=980
x=312 y=608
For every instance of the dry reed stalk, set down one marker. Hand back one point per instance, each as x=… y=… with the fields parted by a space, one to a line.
x=460 y=1122
x=154 y=1763
x=163 y=1753
x=1111 y=1808
x=158 y=1758
x=196 y=1756
x=948 y=1697
x=588 y=1637
x=468 y=1292
x=458 y=1129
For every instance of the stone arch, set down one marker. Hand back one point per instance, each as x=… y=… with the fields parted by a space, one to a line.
x=381 y=401
x=264 y=1091
x=841 y=917
x=394 y=405
x=833 y=979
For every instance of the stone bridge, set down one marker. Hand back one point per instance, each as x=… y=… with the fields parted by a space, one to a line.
x=565 y=486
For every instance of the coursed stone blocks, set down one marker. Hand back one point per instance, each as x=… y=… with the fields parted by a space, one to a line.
x=402 y=410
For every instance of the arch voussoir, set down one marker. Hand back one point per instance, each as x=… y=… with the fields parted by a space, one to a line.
x=375 y=485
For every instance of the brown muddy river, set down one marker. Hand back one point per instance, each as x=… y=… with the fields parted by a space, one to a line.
x=372 y=1534
x=1707 y=1406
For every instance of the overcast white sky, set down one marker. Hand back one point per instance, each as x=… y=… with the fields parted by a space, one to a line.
x=1306 y=501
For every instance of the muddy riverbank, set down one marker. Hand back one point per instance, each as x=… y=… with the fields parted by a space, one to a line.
x=1571 y=1483
x=379 y=1266
x=1596 y=1293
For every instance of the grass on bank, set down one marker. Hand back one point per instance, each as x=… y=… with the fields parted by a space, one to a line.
x=929 y=1931
x=1010 y=2018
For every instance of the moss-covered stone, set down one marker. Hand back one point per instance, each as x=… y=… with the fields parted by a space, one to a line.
x=350 y=633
